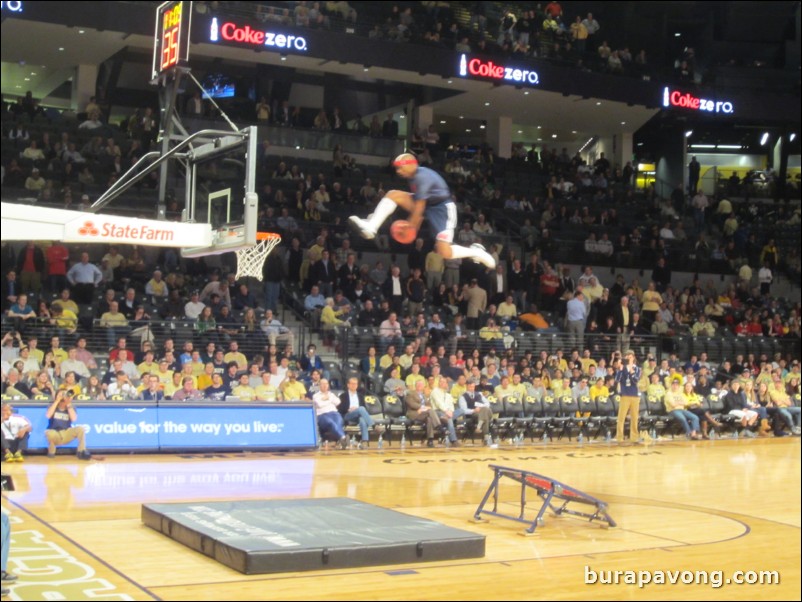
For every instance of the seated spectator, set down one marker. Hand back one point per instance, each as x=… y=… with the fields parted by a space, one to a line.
x=267 y=391
x=675 y=406
x=121 y=388
x=418 y=409
x=394 y=385
x=73 y=364
x=21 y=314
x=785 y=408
x=60 y=430
x=16 y=431
x=193 y=307
x=291 y=388
x=113 y=322
x=329 y=419
x=218 y=391
x=244 y=391
x=352 y=408
x=703 y=328
x=481 y=226
x=243 y=299
x=156 y=286
x=390 y=331
x=187 y=391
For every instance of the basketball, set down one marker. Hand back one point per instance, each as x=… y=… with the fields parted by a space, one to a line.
x=402 y=231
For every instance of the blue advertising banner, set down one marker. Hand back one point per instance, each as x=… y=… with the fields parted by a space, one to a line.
x=127 y=426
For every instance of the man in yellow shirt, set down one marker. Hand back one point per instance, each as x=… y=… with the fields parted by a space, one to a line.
x=234 y=355
x=492 y=333
x=205 y=379
x=114 y=322
x=599 y=389
x=266 y=391
x=588 y=363
x=64 y=319
x=414 y=376
x=55 y=347
x=292 y=389
x=164 y=374
x=675 y=401
x=387 y=359
x=405 y=361
x=504 y=390
x=459 y=387
x=785 y=408
x=65 y=302
x=507 y=310
x=518 y=388
x=655 y=388
x=244 y=390
x=148 y=365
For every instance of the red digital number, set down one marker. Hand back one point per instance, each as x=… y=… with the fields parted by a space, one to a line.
x=170 y=48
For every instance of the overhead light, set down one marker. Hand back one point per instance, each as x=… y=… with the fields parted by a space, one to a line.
x=598 y=103
x=623 y=123
x=27 y=79
x=33 y=72
x=792 y=137
x=688 y=133
x=402 y=116
x=703 y=146
x=283 y=57
x=730 y=146
x=468 y=130
x=462 y=117
x=640 y=143
x=520 y=131
x=451 y=81
x=764 y=138
x=539 y=127
x=442 y=121
x=554 y=135
x=61 y=49
x=526 y=92
x=81 y=31
x=365 y=68
x=677 y=35
x=573 y=131
x=487 y=104
x=540 y=139
x=483 y=124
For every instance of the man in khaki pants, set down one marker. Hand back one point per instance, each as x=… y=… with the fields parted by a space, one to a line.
x=61 y=414
x=627 y=377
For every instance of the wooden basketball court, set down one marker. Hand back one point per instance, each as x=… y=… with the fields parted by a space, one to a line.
x=720 y=506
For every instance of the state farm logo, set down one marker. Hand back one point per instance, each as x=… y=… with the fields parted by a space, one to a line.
x=88 y=229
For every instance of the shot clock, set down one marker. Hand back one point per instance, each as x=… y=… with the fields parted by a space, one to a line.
x=171 y=38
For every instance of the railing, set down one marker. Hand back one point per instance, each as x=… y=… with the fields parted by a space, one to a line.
x=356 y=341
x=353 y=343
x=101 y=339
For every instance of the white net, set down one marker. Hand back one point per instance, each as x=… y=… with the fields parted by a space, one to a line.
x=251 y=259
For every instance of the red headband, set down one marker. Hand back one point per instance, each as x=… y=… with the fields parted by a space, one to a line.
x=412 y=161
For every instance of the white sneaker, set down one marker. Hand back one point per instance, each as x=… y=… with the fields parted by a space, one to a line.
x=483 y=256
x=364 y=227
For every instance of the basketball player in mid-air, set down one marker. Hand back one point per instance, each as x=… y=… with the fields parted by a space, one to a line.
x=430 y=198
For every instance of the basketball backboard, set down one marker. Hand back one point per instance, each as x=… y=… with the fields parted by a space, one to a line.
x=220 y=191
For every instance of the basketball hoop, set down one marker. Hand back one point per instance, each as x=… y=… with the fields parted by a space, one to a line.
x=251 y=259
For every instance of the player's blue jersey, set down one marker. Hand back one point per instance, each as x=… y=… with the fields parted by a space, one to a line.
x=430 y=186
